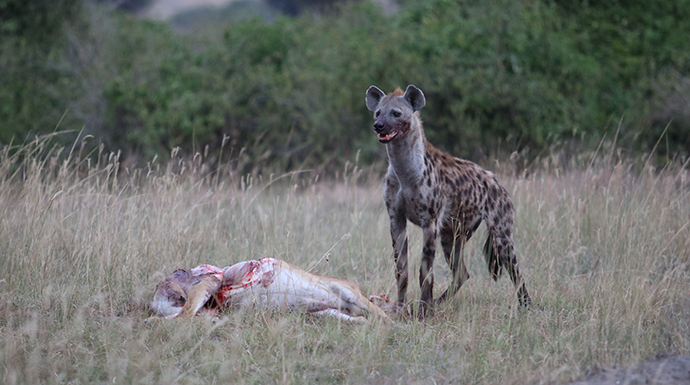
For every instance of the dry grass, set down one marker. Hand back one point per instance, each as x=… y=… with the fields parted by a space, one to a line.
x=84 y=242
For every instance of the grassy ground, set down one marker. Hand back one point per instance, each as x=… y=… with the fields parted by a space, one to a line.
x=605 y=253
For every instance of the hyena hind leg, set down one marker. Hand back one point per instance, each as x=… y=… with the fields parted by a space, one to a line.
x=453 y=250
x=499 y=252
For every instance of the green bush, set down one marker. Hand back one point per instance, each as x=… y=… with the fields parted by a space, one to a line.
x=31 y=85
x=499 y=76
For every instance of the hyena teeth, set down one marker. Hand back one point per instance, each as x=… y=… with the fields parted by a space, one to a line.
x=388 y=136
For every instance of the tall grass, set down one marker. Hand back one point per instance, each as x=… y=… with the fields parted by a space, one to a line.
x=84 y=240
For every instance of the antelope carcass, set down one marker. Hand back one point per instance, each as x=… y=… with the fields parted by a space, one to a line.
x=267 y=284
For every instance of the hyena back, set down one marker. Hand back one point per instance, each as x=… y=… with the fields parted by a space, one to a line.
x=447 y=197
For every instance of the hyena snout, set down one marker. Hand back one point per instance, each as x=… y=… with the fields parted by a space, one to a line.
x=385 y=132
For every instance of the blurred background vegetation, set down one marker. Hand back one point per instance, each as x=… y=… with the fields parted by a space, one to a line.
x=283 y=81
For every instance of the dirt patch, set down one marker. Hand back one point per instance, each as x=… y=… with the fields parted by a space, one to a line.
x=665 y=370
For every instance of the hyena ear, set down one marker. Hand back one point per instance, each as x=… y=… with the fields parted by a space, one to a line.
x=415 y=97
x=374 y=96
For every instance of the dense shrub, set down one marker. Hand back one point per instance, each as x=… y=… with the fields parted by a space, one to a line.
x=31 y=37
x=499 y=76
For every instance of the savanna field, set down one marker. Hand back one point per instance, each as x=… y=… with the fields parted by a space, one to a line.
x=603 y=244
x=132 y=147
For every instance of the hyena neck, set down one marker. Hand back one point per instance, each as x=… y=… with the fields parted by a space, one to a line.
x=406 y=155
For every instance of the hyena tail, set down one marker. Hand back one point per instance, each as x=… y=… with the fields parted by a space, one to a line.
x=492 y=260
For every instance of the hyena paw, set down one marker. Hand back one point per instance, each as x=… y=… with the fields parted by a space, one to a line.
x=426 y=309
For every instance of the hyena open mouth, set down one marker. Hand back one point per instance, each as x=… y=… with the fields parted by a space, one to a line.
x=387 y=137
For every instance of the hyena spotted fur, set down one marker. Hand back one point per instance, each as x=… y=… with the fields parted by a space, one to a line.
x=447 y=197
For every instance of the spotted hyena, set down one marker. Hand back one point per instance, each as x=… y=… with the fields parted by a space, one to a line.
x=447 y=197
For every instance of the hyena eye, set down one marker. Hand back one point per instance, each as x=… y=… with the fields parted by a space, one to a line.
x=378 y=113
x=396 y=114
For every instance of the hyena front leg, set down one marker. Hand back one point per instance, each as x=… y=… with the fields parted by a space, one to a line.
x=426 y=270
x=399 y=238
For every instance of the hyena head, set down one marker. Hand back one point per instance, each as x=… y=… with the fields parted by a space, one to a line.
x=394 y=112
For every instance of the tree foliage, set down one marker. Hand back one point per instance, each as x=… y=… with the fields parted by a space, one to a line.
x=498 y=75
x=31 y=36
